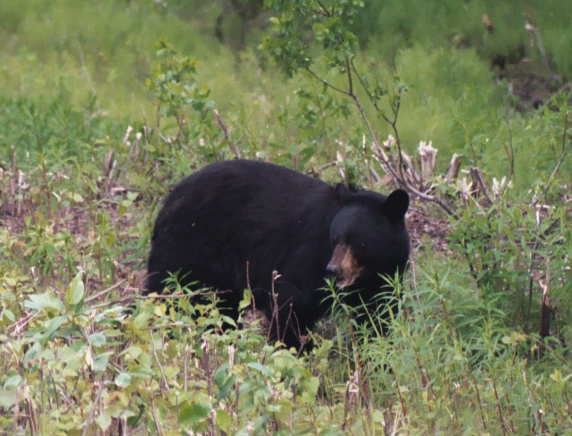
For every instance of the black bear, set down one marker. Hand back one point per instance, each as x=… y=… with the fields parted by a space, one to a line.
x=241 y=223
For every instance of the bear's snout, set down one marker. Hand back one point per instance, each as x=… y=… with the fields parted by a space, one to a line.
x=332 y=268
x=344 y=265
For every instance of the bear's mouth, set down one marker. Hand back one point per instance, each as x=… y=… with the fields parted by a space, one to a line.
x=344 y=265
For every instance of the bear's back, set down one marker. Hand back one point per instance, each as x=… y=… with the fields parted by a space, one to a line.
x=231 y=212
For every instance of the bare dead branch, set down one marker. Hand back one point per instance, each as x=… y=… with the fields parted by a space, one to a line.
x=226 y=134
x=561 y=158
x=478 y=180
x=454 y=167
x=382 y=158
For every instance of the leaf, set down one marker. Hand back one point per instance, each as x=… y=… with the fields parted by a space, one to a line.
x=8 y=398
x=53 y=325
x=76 y=290
x=133 y=352
x=77 y=198
x=246 y=299
x=7 y=313
x=44 y=301
x=123 y=380
x=223 y=420
x=160 y=310
x=259 y=367
x=191 y=414
x=221 y=374
x=141 y=320
x=101 y=360
x=224 y=381
x=103 y=421
x=97 y=339
x=13 y=381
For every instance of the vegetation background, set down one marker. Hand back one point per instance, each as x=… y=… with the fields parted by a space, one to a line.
x=104 y=105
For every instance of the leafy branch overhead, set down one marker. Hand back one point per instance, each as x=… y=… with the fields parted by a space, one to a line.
x=316 y=37
x=302 y=26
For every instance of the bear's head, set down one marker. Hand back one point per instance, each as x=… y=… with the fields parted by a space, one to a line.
x=369 y=238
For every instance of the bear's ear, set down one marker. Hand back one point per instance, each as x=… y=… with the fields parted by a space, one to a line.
x=396 y=204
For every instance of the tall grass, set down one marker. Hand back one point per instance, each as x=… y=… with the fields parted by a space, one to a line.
x=389 y=26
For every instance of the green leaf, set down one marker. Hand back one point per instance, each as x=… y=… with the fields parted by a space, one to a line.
x=77 y=197
x=133 y=352
x=103 y=421
x=246 y=299
x=123 y=380
x=13 y=381
x=193 y=413
x=223 y=420
x=141 y=320
x=7 y=313
x=8 y=398
x=44 y=301
x=53 y=325
x=221 y=374
x=224 y=381
x=101 y=360
x=259 y=367
x=76 y=290
x=97 y=339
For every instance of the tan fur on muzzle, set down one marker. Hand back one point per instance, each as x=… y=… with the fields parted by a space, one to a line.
x=345 y=265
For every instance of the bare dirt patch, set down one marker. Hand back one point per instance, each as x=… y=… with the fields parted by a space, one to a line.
x=531 y=83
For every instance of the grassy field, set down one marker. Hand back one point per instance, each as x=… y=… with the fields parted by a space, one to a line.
x=104 y=105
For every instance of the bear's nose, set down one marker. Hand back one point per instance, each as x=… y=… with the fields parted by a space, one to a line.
x=333 y=269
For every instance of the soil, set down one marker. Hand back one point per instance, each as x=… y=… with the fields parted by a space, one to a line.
x=531 y=83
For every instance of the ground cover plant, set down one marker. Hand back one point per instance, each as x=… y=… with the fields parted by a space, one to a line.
x=104 y=105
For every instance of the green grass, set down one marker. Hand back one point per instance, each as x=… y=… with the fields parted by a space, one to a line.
x=389 y=26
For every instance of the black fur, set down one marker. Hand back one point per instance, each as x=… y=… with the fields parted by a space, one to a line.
x=233 y=213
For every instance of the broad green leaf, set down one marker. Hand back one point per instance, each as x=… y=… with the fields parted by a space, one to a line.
x=223 y=420
x=221 y=374
x=8 y=398
x=76 y=290
x=123 y=380
x=103 y=421
x=76 y=197
x=97 y=339
x=13 y=381
x=101 y=360
x=53 y=325
x=246 y=299
x=8 y=314
x=133 y=352
x=141 y=320
x=259 y=367
x=191 y=414
x=224 y=381
x=160 y=310
x=44 y=301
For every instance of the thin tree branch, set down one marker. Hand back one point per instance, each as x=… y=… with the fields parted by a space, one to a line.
x=561 y=158
x=324 y=9
x=226 y=134
x=326 y=83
